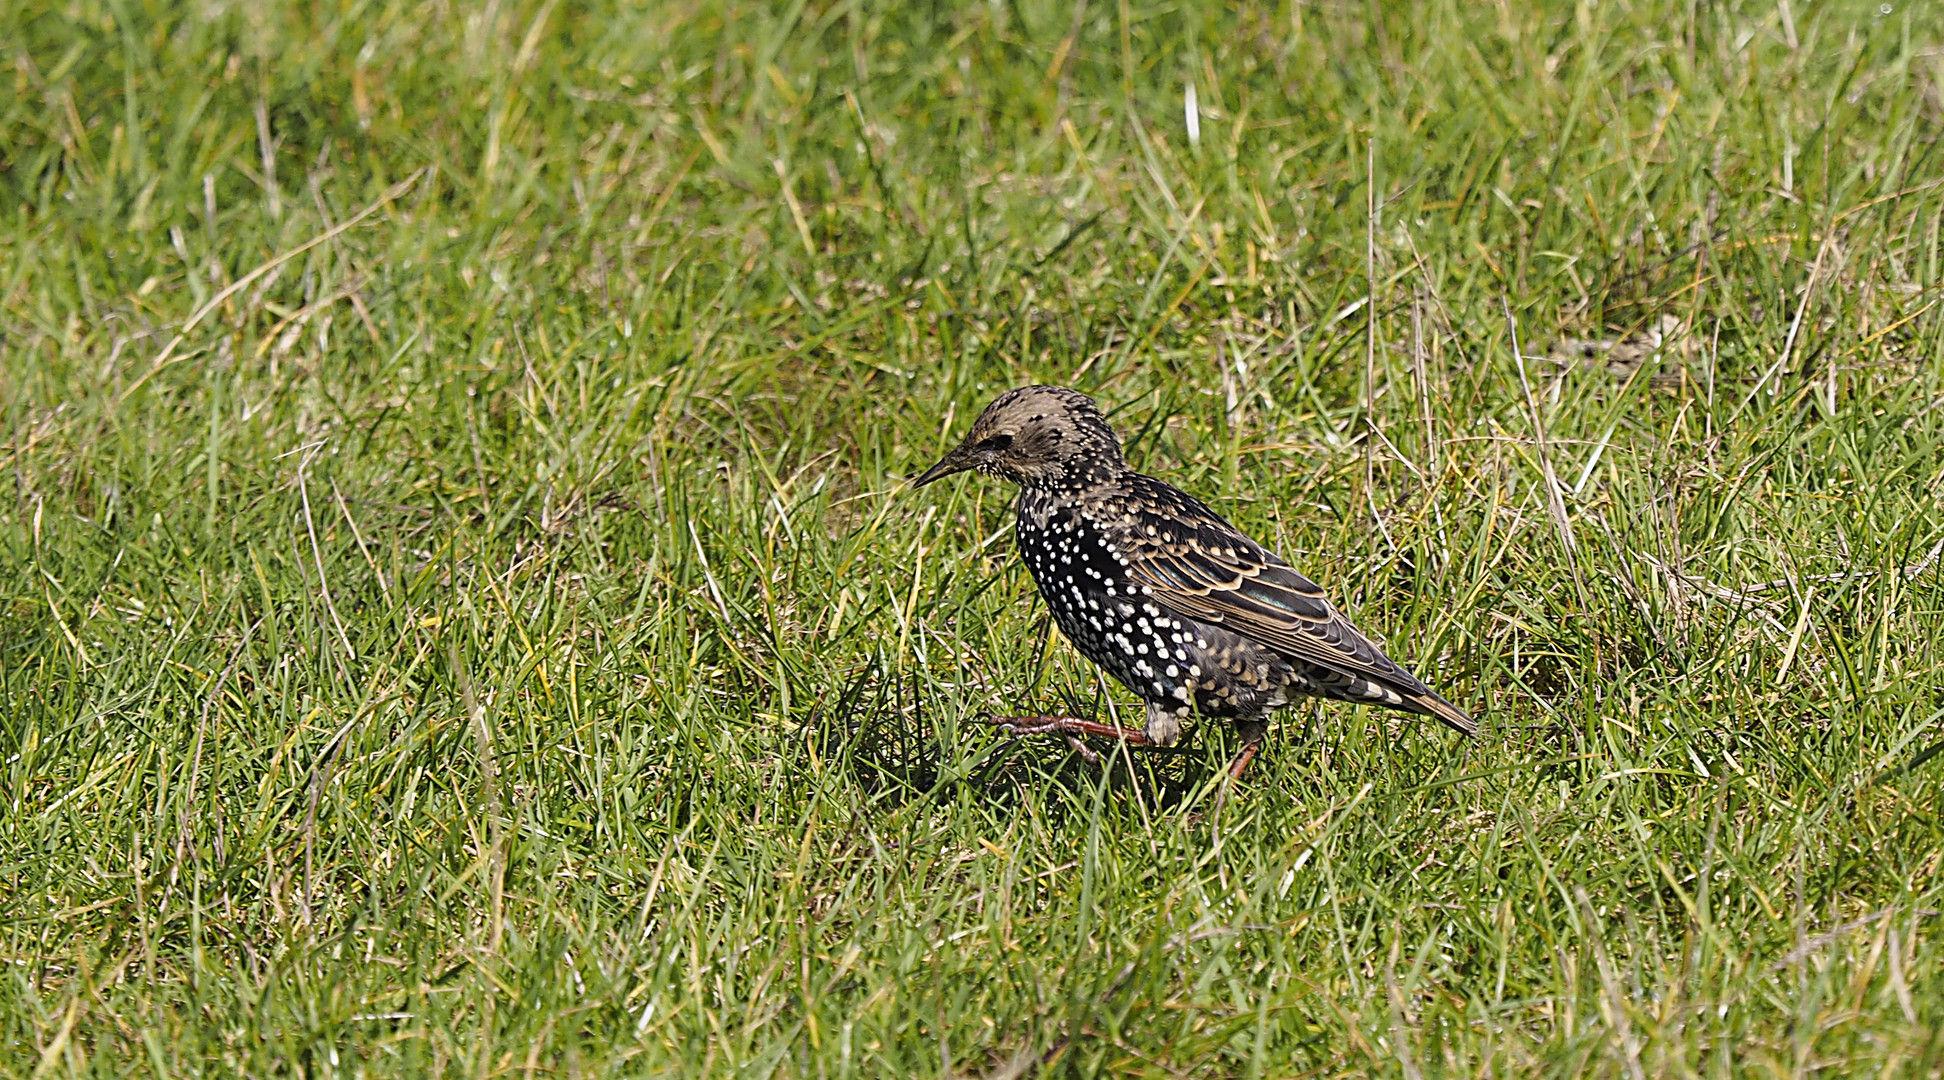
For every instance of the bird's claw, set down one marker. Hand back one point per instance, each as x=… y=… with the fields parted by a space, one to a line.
x=1005 y=724
x=1086 y=752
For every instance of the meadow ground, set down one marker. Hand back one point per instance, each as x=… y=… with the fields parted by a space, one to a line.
x=460 y=613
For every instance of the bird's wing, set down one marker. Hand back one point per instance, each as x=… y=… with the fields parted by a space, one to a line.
x=1200 y=566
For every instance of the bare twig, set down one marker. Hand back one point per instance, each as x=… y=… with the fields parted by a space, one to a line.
x=162 y=359
x=359 y=537
x=1812 y=945
x=1370 y=340
x=1555 y=502
x=317 y=555
x=488 y=790
x=1423 y=380
x=202 y=722
x=1795 y=328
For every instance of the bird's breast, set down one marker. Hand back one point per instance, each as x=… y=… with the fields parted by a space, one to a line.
x=1171 y=661
x=1111 y=619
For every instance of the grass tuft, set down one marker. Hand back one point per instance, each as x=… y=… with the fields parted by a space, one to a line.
x=460 y=612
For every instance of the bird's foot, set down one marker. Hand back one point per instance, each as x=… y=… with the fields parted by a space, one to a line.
x=1070 y=728
x=1236 y=765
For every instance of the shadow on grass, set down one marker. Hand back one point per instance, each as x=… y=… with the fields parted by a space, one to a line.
x=886 y=732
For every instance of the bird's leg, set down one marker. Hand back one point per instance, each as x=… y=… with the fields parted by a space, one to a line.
x=1071 y=727
x=1241 y=761
x=1252 y=742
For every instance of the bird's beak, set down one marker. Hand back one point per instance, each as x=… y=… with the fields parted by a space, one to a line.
x=956 y=461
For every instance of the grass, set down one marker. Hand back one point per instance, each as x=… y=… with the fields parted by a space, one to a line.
x=494 y=638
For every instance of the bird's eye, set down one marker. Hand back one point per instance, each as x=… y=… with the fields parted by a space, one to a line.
x=996 y=442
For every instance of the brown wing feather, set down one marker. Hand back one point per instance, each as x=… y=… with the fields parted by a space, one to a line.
x=1201 y=566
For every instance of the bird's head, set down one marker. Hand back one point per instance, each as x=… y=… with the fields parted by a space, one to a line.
x=1036 y=435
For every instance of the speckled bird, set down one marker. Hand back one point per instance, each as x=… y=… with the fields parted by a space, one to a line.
x=1188 y=613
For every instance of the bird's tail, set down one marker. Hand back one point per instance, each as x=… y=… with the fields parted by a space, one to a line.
x=1429 y=703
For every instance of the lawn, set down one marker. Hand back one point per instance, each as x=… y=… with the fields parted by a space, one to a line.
x=462 y=612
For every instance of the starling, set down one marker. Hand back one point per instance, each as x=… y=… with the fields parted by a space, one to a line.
x=1153 y=586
